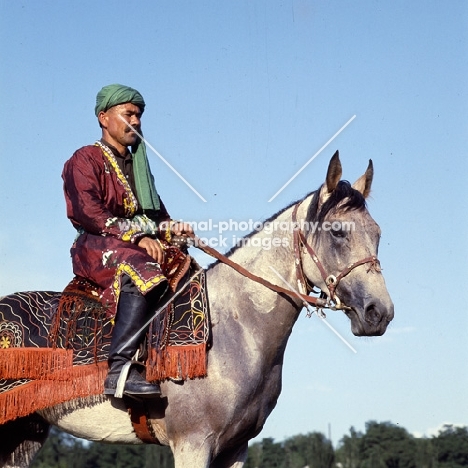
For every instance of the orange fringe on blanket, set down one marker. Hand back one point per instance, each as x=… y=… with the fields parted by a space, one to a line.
x=34 y=363
x=177 y=362
x=36 y=395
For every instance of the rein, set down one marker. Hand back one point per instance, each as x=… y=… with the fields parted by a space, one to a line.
x=316 y=301
x=332 y=302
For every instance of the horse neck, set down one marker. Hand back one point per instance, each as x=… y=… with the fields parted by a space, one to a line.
x=266 y=314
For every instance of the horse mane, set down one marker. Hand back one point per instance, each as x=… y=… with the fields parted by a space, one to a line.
x=343 y=191
x=250 y=234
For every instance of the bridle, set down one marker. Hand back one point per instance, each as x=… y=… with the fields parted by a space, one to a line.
x=325 y=301
x=331 y=281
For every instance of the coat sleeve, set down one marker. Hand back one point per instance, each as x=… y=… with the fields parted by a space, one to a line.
x=163 y=221
x=83 y=179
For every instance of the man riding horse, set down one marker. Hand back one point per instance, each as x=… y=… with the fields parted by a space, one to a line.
x=123 y=228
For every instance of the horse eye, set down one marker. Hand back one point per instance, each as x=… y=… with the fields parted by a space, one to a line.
x=340 y=233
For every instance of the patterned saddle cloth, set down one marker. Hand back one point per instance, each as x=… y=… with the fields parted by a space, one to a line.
x=175 y=344
x=54 y=346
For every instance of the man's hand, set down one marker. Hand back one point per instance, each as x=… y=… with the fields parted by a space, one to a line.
x=153 y=248
x=180 y=229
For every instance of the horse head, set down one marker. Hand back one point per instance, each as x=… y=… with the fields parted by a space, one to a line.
x=339 y=251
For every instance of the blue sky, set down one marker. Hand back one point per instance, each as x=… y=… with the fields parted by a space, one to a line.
x=240 y=94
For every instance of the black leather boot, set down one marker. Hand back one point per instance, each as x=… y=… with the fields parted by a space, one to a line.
x=132 y=314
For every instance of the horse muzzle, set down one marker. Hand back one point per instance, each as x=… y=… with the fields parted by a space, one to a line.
x=372 y=319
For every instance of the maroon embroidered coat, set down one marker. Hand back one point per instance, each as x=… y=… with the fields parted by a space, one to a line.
x=105 y=211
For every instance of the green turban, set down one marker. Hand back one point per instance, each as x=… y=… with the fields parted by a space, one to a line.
x=115 y=94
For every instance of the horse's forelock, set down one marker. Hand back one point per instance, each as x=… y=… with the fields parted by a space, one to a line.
x=344 y=192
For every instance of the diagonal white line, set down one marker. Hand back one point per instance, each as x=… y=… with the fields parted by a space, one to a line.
x=337 y=334
x=312 y=158
x=162 y=158
x=285 y=281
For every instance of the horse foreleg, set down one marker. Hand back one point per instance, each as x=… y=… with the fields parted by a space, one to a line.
x=232 y=458
x=188 y=454
x=20 y=440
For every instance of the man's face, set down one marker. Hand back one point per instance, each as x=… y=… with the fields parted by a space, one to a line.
x=115 y=130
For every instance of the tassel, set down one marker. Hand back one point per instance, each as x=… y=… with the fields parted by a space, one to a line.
x=177 y=362
x=37 y=395
x=33 y=363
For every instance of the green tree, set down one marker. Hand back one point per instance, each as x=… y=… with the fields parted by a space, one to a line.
x=61 y=450
x=383 y=445
x=115 y=456
x=254 y=457
x=272 y=454
x=158 y=457
x=425 y=455
x=313 y=449
x=451 y=446
x=348 y=452
x=386 y=445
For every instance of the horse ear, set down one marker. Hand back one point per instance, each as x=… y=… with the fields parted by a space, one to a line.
x=363 y=184
x=333 y=177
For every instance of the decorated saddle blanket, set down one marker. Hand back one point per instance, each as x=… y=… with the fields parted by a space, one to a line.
x=54 y=346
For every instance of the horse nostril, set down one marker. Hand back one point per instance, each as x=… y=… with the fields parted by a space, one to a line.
x=372 y=314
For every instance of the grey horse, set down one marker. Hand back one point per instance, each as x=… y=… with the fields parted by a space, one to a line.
x=208 y=422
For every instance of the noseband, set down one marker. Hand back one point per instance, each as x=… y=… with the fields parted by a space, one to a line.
x=331 y=281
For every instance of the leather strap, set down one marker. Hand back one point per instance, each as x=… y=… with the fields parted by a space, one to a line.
x=316 y=301
x=299 y=239
x=330 y=281
x=139 y=417
x=373 y=260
